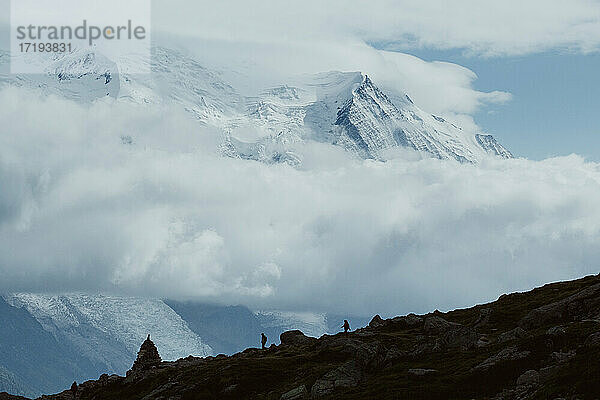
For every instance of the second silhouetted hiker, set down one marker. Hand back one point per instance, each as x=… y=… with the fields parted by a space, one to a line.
x=263 y=340
x=346 y=326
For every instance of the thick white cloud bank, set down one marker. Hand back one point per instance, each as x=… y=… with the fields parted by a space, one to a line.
x=483 y=27
x=166 y=216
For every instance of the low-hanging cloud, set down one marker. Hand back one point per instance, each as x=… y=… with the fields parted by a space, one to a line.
x=490 y=28
x=254 y=46
x=120 y=198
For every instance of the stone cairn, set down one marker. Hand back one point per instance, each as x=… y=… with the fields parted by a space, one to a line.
x=147 y=357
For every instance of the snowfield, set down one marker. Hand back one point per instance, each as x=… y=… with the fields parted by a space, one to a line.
x=127 y=320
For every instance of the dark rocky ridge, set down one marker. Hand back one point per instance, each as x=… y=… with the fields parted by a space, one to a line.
x=6 y=396
x=543 y=344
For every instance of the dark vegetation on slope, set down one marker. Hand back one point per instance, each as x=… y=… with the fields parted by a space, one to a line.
x=543 y=344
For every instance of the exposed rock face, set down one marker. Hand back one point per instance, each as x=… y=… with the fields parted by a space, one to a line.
x=376 y=322
x=513 y=334
x=435 y=325
x=529 y=378
x=484 y=317
x=410 y=320
x=491 y=145
x=147 y=357
x=559 y=357
x=345 y=376
x=581 y=305
x=295 y=337
x=507 y=354
x=299 y=393
x=421 y=371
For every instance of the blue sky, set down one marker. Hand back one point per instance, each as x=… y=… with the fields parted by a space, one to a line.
x=554 y=109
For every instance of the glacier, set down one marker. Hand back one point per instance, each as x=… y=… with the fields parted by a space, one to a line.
x=111 y=328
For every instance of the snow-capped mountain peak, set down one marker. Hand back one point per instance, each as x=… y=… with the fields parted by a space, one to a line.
x=370 y=122
x=340 y=108
x=349 y=110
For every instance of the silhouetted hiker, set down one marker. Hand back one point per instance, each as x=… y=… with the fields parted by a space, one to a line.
x=346 y=326
x=74 y=388
x=263 y=340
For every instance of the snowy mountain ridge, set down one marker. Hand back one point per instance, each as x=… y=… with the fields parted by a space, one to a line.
x=368 y=122
x=122 y=324
x=339 y=108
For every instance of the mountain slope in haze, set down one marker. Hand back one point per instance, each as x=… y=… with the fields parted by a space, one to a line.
x=228 y=329
x=340 y=108
x=542 y=344
x=9 y=383
x=33 y=361
x=47 y=341
x=118 y=324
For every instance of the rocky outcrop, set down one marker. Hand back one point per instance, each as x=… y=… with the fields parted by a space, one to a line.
x=347 y=375
x=295 y=338
x=376 y=322
x=421 y=371
x=559 y=357
x=442 y=335
x=581 y=305
x=147 y=357
x=409 y=321
x=299 y=393
x=507 y=354
x=513 y=334
x=435 y=325
x=529 y=379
